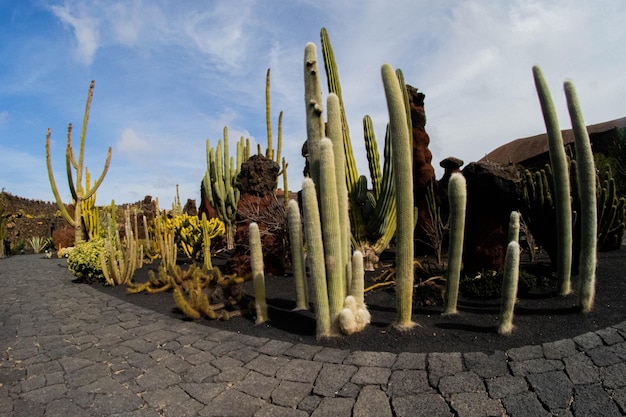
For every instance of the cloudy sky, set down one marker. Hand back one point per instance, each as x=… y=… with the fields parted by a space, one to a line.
x=170 y=75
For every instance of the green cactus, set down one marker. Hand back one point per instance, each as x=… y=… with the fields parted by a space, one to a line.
x=588 y=203
x=509 y=288
x=79 y=192
x=258 y=275
x=219 y=182
x=120 y=260
x=297 y=255
x=315 y=254
x=559 y=164
x=513 y=234
x=314 y=108
x=457 y=194
x=400 y=136
x=333 y=131
x=611 y=213
x=331 y=232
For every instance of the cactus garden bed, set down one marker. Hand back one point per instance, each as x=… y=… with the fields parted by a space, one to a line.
x=540 y=315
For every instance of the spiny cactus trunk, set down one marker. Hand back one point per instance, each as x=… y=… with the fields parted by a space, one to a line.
x=401 y=149
x=558 y=159
x=509 y=288
x=315 y=255
x=588 y=204
x=457 y=194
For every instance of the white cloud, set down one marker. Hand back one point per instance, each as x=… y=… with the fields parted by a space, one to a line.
x=221 y=33
x=130 y=143
x=85 y=30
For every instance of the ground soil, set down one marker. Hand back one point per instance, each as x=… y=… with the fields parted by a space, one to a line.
x=540 y=316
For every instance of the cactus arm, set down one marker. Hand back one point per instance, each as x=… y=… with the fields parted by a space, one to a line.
x=404 y=201
x=279 y=144
x=96 y=184
x=53 y=184
x=373 y=157
x=588 y=203
x=558 y=159
x=315 y=254
x=457 y=195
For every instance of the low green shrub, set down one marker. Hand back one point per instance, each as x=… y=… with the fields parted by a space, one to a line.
x=84 y=260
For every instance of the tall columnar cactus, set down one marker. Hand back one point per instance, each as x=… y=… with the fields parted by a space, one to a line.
x=219 y=182
x=558 y=159
x=588 y=204
x=78 y=192
x=315 y=254
x=509 y=288
x=400 y=137
x=334 y=133
x=334 y=253
x=258 y=275
x=314 y=108
x=457 y=195
x=297 y=255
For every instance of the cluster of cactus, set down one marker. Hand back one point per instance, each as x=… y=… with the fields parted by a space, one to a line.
x=219 y=181
x=120 y=259
x=80 y=193
x=329 y=246
x=372 y=213
x=585 y=191
x=611 y=212
x=193 y=234
x=196 y=292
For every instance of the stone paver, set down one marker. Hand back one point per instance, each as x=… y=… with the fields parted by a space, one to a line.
x=73 y=351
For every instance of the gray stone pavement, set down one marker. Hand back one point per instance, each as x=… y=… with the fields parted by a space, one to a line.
x=70 y=350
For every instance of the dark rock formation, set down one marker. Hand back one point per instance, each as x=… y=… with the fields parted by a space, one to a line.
x=492 y=194
x=423 y=171
x=257 y=203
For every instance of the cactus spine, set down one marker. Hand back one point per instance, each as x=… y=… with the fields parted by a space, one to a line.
x=78 y=192
x=588 y=204
x=559 y=163
x=399 y=132
x=457 y=195
x=315 y=254
x=297 y=255
x=509 y=288
x=258 y=276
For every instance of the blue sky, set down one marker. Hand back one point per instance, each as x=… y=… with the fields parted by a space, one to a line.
x=170 y=75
